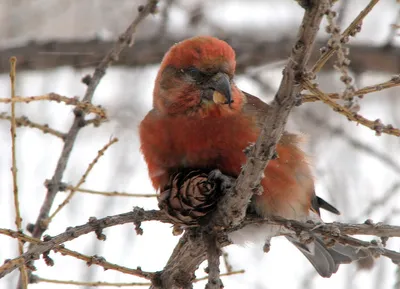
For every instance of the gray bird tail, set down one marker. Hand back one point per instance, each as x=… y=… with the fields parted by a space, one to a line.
x=327 y=260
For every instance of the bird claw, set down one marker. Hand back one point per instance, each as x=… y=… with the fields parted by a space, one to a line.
x=224 y=182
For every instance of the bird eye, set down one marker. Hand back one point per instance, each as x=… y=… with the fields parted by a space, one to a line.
x=195 y=73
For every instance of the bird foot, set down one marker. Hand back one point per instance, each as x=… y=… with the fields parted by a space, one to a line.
x=224 y=182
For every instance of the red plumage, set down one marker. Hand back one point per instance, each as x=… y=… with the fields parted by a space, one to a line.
x=189 y=128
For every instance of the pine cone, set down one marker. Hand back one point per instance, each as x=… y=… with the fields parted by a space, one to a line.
x=189 y=196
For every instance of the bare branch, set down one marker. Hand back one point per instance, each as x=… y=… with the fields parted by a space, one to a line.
x=111 y=194
x=250 y=52
x=393 y=82
x=213 y=253
x=123 y=41
x=343 y=61
x=82 y=180
x=191 y=244
x=24 y=121
x=96 y=121
x=37 y=279
x=249 y=179
x=86 y=106
x=376 y=125
x=339 y=231
x=90 y=260
x=350 y=31
x=227 y=264
x=329 y=229
x=13 y=130
x=136 y=216
x=188 y=254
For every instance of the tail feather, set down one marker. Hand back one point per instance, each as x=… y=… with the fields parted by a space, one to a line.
x=327 y=260
x=322 y=204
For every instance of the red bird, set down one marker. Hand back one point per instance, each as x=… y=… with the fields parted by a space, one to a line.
x=200 y=119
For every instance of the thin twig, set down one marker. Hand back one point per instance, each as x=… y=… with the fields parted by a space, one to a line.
x=37 y=279
x=13 y=130
x=13 y=146
x=111 y=194
x=96 y=121
x=328 y=229
x=251 y=50
x=221 y=275
x=137 y=216
x=90 y=260
x=228 y=266
x=95 y=260
x=24 y=121
x=393 y=82
x=343 y=61
x=86 y=106
x=213 y=254
x=100 y=153
x=349 y=31
x=123 y=41
x=376 y=125
x=338 y=232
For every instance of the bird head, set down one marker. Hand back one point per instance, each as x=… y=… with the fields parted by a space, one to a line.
x=196 y=73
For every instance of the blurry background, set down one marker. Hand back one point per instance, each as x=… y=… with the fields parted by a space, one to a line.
x=58 y=42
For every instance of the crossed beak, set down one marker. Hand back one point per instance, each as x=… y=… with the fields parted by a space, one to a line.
x=221 y=85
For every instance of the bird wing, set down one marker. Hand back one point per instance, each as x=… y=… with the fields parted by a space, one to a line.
x=256 y=108
x=259 y=109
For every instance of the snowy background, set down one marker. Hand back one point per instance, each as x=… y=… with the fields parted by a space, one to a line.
x=347 y=175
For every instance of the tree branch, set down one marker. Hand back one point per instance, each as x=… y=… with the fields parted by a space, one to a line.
x=136 y=216
x=376 y=125
x=86 y=106
x=233 y=206
x=394 y=81
x=213 y=254
x=123 y=41
x=38 y=279
x=353 y=28
x=14 y=170
x=338 y=233
x=249 y=51
x=187 y=256
x=191 y=247
x=100 y=153
x=90 y=260
x=327 y=229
